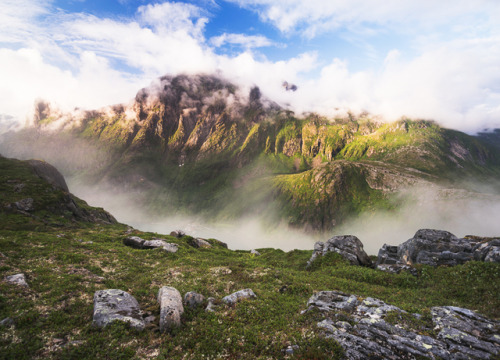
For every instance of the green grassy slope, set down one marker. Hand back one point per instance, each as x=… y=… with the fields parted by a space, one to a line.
x=66 y=262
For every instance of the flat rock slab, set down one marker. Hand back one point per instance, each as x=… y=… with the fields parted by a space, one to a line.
x=116 y=305
x=17 y=279
x=238 y=296
x=462 y=334
x=171 y=308
x=138 y=243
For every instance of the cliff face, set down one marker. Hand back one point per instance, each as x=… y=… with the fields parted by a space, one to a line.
x=200 y=139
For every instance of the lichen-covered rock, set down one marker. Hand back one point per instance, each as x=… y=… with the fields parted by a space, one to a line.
x=17 y=279
x=116 y=305
x=388 y=254
x=348 y=246
x=462 y=334
x=199 y=243
x=171 y=308
x=193 y=299
x=238 y=296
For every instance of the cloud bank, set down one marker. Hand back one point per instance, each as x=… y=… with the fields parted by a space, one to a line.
x=450 y=73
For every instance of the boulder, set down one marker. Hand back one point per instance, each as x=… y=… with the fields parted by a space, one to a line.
x=435 y=247
x=193 y=299
x=238 y=296
x=254 y=252
x=199 y=243
x=134 y=241
x=462 y=334
x=17 y=279
x=177 y=233
x=348 y=246
x=171 y=308
x=116 y=305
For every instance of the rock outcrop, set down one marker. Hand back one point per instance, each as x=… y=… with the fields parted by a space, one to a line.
x=437 y=247
x=199 y=243
x=360 y=327
x=238 y=296
x=171 y=308
x=348 y=246
x=116 y=305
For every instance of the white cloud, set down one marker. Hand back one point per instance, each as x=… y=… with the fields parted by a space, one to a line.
x=245 y=41
x=79 y=60
x=313 y=17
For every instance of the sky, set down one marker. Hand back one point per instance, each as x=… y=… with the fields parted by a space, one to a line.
x=427 y=59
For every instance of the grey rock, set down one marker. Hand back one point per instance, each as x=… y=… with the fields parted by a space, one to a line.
x=116 y=305
x=488 y=251
x=25 y=204
x=463 y=334
x=149 y=320
x=171 y=308
x=7 y=322
x=435 y=247
x=49 y=173
x=193 y=299
x=199 y=243
x=238 y=296
x=19 y=187
x=138 y=243
x=134 y=241
x=254 y=252
x=348 y=246
x=388 y=254
x=17 y=279
x=397 y=268
x=177 y=233
x=210 y=305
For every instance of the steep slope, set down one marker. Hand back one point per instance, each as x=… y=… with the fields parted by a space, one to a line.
x=197 y=143
x=38 y=192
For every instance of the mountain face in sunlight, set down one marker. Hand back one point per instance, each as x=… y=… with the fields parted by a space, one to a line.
x=200 y=145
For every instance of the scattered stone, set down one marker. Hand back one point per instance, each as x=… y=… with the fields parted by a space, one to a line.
x=25 y=204
x=138 y=243
x=254 y=252
x=397 y=268
x=199 y=243
x=116 y=305
x=193 y=299
x=348 y=246
x=171 y=308
x=19 y=187
x=211 y=305
x=7 y=322
x=149 y=320
x=17 y=279
x=463 y=334
x=290 y=349
x=238 y=296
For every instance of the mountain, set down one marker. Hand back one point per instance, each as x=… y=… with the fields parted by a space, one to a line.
x=199 y=144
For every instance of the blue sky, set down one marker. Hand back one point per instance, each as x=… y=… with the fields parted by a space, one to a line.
x=420 y=58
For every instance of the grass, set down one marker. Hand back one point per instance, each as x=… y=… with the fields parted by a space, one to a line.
x=64 y=270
